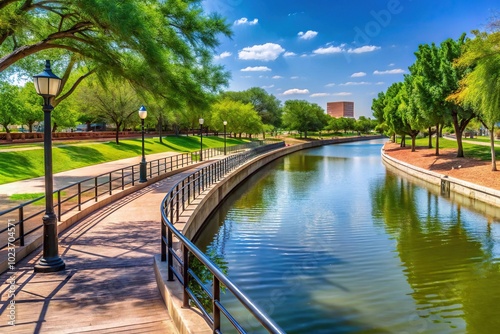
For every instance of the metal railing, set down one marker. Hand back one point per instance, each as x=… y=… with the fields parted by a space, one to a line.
x=174 y=203
x=26 y=218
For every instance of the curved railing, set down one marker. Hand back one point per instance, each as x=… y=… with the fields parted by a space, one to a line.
x=174 y=203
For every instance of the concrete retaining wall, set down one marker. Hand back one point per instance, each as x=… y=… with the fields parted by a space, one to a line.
x=484 y=199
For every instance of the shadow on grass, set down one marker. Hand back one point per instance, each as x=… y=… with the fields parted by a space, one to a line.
x=127 y=147
x=13 y=165
x=84 y=154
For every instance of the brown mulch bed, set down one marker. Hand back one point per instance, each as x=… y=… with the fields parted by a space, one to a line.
x=467 y=169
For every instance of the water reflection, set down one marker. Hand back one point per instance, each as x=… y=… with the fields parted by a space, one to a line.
x=328 y=241
x=447 y=252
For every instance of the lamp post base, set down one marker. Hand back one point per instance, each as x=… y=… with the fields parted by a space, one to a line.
x=142 y=172
x=50 y=265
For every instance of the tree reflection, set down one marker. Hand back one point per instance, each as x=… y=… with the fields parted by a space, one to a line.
x=451 y=270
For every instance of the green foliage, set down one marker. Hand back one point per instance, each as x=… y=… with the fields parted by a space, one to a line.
x=10 y=105
x=240 y=117
x=304 y=116
x=163 y=47
x=267 y=106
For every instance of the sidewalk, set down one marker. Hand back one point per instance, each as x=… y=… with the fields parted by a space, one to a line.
x=37 y=185
x=108 y=285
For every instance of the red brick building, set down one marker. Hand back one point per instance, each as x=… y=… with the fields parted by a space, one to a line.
x=340 y=109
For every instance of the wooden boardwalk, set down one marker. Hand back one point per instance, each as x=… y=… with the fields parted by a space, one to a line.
x=108 y=286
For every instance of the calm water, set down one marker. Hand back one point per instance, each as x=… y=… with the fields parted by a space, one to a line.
x=328 y=241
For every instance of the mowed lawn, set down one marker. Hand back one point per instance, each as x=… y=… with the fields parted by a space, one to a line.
x=26 y=164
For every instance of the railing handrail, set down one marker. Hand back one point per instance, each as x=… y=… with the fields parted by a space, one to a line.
x=177 y=161
x=224 y=165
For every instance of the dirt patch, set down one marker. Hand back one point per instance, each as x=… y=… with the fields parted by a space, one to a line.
x=467 y=169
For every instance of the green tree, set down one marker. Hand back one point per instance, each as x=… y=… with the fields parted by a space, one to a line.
x=114 y=102
x=267 y=105
x=480 y=89
x=304 y=116
x=10 y=106
x=240 y=117
x=31 y=106
x=161 y=46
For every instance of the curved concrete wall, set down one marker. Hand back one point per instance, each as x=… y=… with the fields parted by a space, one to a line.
x=486 y=200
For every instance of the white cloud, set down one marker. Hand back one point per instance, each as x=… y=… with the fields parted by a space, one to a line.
x=329 y=50
x=359 y=83
x=277 y=77
x=246 y=76
x=330 y=85
x=296 y=91
x=223 y=55
x=310 y=34
x=358 y=75
x=319 y=95
x=255 y=69
x=394 y=71
x=379 y=83
x=244 y=21
x=364 y=49
x=342 y=94
x=264 y=52
x=270 y=86
x=392 y=64
x=289 y=54
x=294 y=77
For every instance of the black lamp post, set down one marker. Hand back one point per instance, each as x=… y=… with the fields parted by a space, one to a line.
x=201 y=120
x=47 y=85
x=225 y=123
x=143 y=113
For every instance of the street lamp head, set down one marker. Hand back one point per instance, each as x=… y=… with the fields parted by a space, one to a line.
x=201 y=120
x=143 y=113
x=225 y=122
x=47 y=84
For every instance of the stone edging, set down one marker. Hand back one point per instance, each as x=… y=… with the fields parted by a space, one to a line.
x=449 y=185
x=190 y=320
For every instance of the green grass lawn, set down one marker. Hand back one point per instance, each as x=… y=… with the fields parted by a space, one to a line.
x=470 y=150
x=21 y=165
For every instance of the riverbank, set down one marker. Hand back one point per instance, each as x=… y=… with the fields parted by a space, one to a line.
x=466 y=169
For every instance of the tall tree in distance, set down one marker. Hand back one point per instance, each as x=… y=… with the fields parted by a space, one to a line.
x=304 y=116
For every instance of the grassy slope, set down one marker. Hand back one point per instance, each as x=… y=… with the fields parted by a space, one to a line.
x=20 y=165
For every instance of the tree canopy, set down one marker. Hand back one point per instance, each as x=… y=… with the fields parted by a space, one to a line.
x=304 y=116
x=161 y=46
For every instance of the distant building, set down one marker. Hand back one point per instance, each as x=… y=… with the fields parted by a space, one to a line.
x=340 y=109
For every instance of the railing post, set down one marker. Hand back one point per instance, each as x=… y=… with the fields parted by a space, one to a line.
x=150 y=169
x=183 y=188
x=79 y=196
x=163 y=237
x=171 y=162
x=59 y=205
x=21 y=226
x=123 y=179
x=177 y=202
x=185 y=273
x=95 y=189
x=171 y=208
x=110 y=184
x=158 y=166
x=133 y=178
x=216 y=311
x=170 y=273
x=189 y=189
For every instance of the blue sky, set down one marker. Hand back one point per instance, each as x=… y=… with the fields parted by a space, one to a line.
x=323 y=51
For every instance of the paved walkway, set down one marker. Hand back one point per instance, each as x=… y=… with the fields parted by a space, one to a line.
x=108 y=285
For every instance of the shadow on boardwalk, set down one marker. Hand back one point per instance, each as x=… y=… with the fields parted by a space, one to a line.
x=109 y=284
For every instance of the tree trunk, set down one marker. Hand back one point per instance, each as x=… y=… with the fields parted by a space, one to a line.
x=459 y=130
x=159 y=128
x=430 y=136
x=437 y=139
x=413 y=139
x=54 y=128
x=493 y=155
x=8 y=135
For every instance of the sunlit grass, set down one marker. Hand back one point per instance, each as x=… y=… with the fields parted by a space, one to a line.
x=26 y=164
x=480 y=152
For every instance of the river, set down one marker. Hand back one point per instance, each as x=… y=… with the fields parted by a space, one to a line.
x=327 y=240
